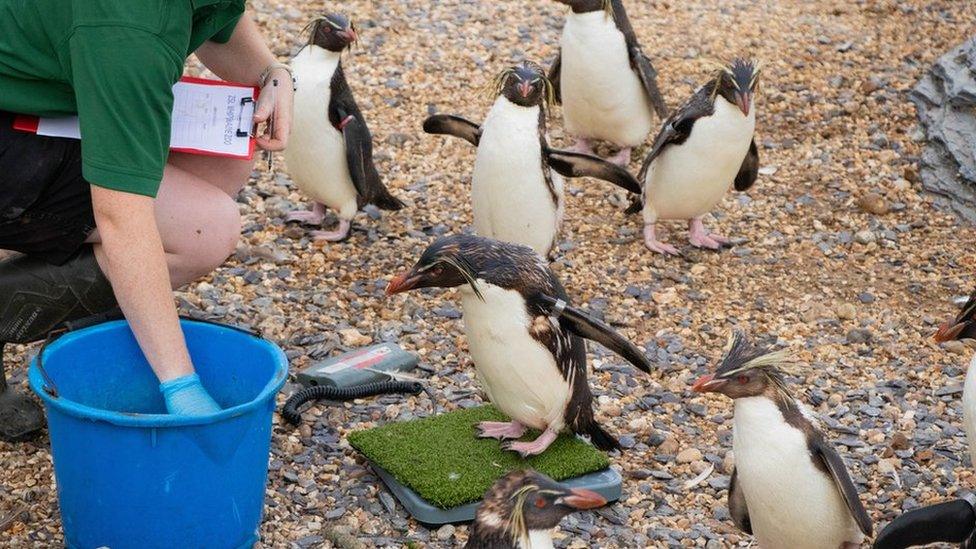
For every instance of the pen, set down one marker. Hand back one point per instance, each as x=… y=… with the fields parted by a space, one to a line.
x=271 y=121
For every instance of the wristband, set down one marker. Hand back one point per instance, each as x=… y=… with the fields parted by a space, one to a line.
x=266 y=73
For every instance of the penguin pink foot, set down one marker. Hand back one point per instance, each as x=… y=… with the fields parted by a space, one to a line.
x=582 y=146
x=655 y=245
x=333 y=236
x=622 y=158
x=699 y=236
x=500 y=429
x=315 y=216
x=537 y=446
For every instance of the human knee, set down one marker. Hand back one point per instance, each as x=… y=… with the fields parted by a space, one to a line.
x=219 y=234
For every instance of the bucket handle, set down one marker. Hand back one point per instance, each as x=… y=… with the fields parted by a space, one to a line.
x=115 y=314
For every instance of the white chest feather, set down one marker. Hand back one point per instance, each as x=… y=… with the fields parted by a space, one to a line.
x=603 y=98
x=316 y=153
x=689 y=179
x=510 y=198
x=969 y=409
x=519 y=374
x=792 y=503
x=537 y=539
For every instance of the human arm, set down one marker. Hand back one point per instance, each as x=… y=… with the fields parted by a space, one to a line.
x=242 y=59
x=132 y=256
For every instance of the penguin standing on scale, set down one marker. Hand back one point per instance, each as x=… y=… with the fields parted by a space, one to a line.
x=331 y=153
x=704 y=147
x=607 y=86
x=517 y=184
x=521 y=509
x=790 y=488
x=525 y=338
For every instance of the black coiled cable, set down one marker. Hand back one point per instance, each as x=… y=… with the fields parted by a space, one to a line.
x=292 y=415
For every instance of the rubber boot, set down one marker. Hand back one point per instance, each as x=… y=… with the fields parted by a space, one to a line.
x=36 y=297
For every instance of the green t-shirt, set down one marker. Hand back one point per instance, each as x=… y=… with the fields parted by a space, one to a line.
x=113 y=63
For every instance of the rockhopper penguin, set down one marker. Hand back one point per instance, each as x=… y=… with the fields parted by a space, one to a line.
x=963 y=327
x=950 y=522
x=790 y=488
x=954 y=521
x=526 y=340
x=521 y=509
x=330 y=156
x=606 y=84
x=517 y=184
x=705 y=146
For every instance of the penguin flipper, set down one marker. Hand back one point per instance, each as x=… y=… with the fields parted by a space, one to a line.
x=584 y=325
x=571 y=164
x=555 y=72
x=648 y=77
x=749 y=170
x=449 y=124
x=842 y=480
x=737 y=505
x=638 y=61
x=950 y=522
x=677 y=128
x=362 y=171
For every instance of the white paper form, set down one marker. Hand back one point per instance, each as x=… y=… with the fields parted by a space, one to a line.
x=209 y=117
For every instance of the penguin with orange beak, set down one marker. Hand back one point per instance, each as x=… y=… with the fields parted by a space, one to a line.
x=706 y=146
x=521 y=509
x=953 y=521
x=525 y=337
x=963 y=327
x=790 y=487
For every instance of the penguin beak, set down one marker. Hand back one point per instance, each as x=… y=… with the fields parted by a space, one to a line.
x=349 y=35
x=744 y=101
x=707 y=384
x=525 y=88
x=402 y=283
x=949 y=330
x=581 y=499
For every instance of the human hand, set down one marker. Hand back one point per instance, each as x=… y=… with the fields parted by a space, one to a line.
x=276 y=101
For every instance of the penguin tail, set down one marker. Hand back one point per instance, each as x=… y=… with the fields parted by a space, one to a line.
x=636 y=205
x=386 y=201
x=602 y=439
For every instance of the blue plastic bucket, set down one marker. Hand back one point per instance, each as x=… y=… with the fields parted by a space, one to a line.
x=129 y=476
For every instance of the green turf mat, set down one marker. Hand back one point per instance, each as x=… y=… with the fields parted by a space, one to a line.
x=441 y=459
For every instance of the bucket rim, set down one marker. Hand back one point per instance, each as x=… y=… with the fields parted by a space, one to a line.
x=129 y=419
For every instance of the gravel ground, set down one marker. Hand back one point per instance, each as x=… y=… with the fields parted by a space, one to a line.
x=846 y=262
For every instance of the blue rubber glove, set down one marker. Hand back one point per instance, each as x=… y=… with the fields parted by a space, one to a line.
x=185 y=396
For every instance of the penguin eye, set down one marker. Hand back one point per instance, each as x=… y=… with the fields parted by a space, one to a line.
x=540 y=502
x=438 y=270
x=742 y=380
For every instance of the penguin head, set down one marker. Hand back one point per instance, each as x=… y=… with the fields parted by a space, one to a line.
x=738 y=83
x=586 y=6
x=526 y=500
x=963 y=326
x=524 y=84
x=745 y=371
x=456 y=260
x=334 y=32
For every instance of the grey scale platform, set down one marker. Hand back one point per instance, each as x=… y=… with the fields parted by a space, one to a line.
x=607 y=483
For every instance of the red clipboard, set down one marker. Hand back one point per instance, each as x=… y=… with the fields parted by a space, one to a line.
x=196 y=119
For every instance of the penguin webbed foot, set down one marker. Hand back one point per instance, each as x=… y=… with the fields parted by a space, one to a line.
x=699 y=236
x=500 y=430
x=583 y=146
x=652 y=243
x=622 y=158
x=535 y=447
x=338 y=235
x=314 y=216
